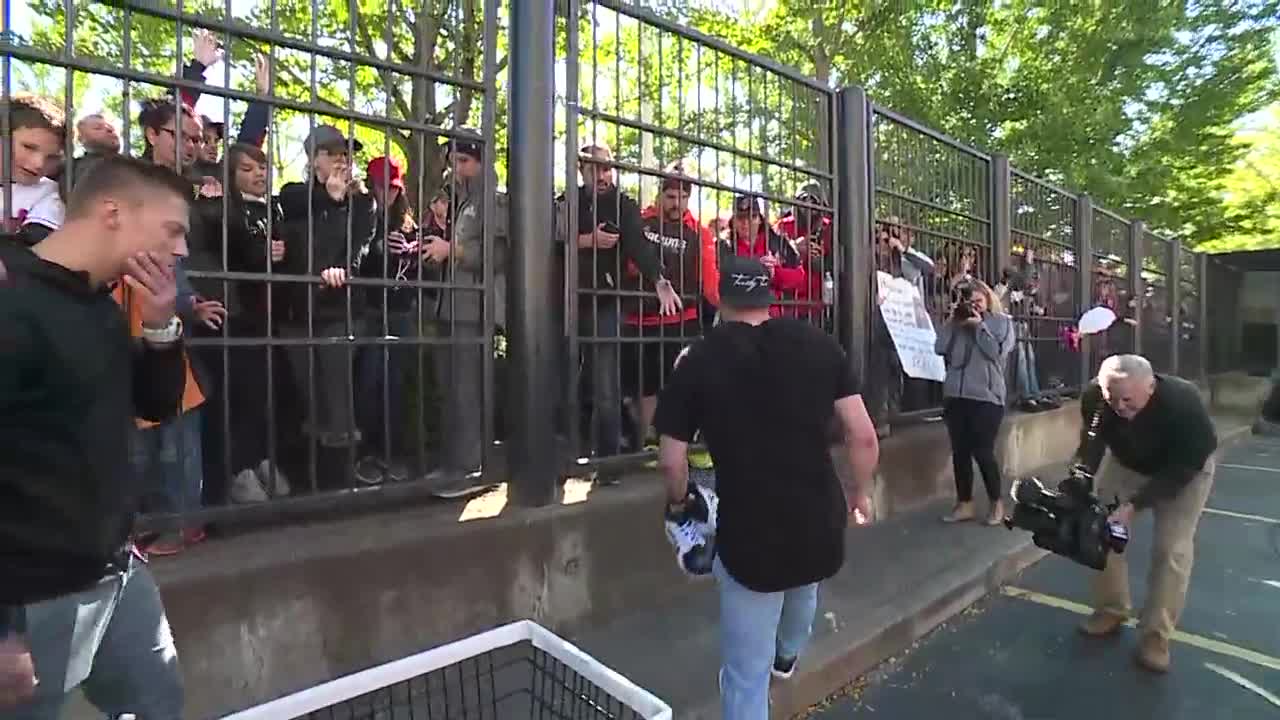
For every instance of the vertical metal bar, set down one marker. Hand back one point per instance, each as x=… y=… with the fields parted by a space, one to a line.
x=532 y=450
x=854 y=170
x=1173 y=283
x=488 y=126
x=1001 y=216
x=572 y=116
x=1082 y=228
x=1137 y=230
x=1202 y=328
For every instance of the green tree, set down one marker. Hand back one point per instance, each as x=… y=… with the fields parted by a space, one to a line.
x=1253 y=188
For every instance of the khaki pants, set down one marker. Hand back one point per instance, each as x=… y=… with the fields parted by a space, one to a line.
x=1173 y=548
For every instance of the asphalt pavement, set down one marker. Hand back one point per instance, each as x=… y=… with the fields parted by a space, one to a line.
x=1017 y=655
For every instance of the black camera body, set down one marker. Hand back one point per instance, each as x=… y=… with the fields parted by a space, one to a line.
x=1071 y=521
x=962 y=301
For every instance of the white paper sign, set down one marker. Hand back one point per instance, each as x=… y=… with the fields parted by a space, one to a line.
x=911 y=328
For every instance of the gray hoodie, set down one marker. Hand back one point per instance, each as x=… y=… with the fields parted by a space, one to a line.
x=975 y=358
x=468 y=253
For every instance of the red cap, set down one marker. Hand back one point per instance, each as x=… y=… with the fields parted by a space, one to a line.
x=385 y=170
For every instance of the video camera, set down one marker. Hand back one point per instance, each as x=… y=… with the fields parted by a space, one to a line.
x=962 y=300
x=1071 y=521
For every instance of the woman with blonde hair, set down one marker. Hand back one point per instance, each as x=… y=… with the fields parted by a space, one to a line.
x=974 y=340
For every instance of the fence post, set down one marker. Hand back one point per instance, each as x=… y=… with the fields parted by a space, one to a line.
x=531 y=458
x=854 y=170
x=1137 y=230
x=1082 y=229
x=1174 y=279
x=1202 y=321
x=1001 y=217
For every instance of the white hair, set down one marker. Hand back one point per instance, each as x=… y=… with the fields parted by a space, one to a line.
x=1122 y=367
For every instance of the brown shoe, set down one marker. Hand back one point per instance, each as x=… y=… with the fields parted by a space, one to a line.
x=960 y=513
x=1101 y=624
x=1153 y=652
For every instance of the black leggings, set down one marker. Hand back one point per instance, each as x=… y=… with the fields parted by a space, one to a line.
x=973 y=426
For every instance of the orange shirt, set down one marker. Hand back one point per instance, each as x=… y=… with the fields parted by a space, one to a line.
x=192 y=398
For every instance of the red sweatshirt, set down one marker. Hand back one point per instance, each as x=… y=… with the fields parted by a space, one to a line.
x=789 y=276
x=817 y=267
x=697 y=246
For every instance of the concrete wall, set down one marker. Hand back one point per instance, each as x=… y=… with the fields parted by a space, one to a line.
x=274 y=611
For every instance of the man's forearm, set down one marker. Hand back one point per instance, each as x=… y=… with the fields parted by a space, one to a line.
x=1162 y=486
x=159 y=380
x=864 y=456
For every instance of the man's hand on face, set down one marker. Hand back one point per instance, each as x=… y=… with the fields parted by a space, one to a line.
x=17 y=672
x=150 y=277
x=338 y=182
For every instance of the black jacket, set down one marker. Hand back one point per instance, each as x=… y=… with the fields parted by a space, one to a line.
x=603 y=269
x=71 y=383
x=1169 y=441
x=315 y=239
x=248 y=249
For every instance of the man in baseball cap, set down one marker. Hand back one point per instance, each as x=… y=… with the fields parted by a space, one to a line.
x=764 y=393
x=328 y=137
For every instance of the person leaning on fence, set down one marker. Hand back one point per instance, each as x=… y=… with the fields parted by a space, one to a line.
x=607 y=234
x=328 y=222
x=459 y=365
x=764 y=393
x=37 y=131
x=752 y=237
x=974 y=341
x=1159 y=441
x=75 y=601
x=811 y=232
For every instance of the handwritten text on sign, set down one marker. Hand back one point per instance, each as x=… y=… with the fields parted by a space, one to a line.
x=910 y=327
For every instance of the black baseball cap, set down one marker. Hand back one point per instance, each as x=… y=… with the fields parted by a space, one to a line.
x=324 y=137
x=465 y=146
x=744 y=283
x=744 y=204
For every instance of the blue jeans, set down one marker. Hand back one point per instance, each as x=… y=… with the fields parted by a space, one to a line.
x=114 y=642
x=1025 y=364
x=756 y=628
x=400 y=361
x=167 y=458
x=602 y=362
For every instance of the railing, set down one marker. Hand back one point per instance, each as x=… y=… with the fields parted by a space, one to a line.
x=536 y=355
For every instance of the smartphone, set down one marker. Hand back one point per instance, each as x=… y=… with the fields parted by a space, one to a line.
x=609 y=227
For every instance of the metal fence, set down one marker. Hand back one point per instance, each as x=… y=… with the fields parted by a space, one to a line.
x=1156 y=321
x=931 y=212
x=701 y=150
x=1045 y=263
x=528 y=357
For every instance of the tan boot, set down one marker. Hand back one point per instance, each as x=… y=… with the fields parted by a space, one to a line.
x=1101 y=624
x=996 y=515
x=960 y=513
x=1153 y=652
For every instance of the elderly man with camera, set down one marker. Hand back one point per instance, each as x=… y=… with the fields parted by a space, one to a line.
x=1159 y=441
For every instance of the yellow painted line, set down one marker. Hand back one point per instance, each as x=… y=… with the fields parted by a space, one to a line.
x=1242 y=516
x=1199 y=641
x=1245 y=683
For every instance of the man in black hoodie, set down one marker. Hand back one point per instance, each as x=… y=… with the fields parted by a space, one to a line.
x=76 y=605
x=608 y=234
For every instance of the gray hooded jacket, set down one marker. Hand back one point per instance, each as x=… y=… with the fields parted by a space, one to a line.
x=975 y=358
x=467 y=256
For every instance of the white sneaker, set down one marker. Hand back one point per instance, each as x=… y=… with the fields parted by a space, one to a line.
x=281 y=488
x=247 y=488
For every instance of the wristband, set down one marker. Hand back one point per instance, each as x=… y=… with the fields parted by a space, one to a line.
x=166 y=335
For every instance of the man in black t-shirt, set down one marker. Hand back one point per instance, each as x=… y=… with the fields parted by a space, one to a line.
x=763 y=394
x=1160 y=440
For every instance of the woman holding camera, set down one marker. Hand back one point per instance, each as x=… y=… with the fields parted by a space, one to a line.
x=974 y=341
